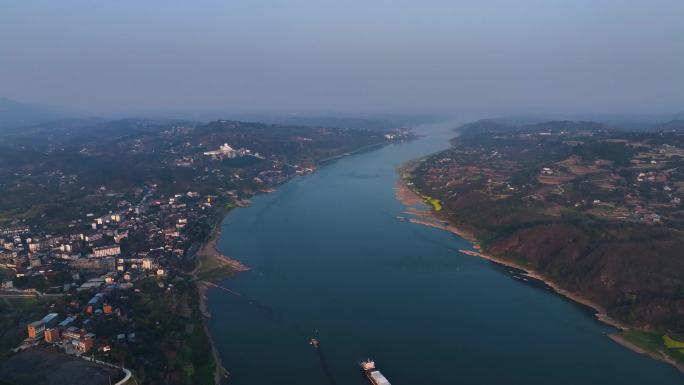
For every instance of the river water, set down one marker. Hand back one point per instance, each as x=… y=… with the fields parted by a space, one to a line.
x=329 y=259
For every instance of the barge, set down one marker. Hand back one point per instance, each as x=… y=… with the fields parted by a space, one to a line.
x=373 y=375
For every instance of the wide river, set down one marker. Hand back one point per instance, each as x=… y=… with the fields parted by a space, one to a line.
x=329 y=259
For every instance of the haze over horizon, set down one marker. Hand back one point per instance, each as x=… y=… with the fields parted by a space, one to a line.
x=321 y=56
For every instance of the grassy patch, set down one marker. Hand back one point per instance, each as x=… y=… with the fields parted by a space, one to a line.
x=650 y=342
x=671 y=343
x=435 y=203
x=656 y=343
x=213 y=269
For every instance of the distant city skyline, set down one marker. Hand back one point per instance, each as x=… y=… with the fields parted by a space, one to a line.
x=325 y=57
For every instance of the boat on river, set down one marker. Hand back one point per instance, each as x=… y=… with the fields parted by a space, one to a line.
x=373 y=374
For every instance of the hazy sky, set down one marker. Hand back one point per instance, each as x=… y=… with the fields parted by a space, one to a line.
x=345 y=55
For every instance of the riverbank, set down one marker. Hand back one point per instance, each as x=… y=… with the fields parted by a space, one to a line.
x=213 y=266
x=409 y=198
x=220 y=372
x=654 y=354
x=318 y=264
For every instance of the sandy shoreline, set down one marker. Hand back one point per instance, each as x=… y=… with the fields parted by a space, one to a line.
x=428 y=218
x=209 y=250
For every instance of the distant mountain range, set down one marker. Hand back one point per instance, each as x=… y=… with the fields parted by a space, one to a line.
x=673 y=125
x=18 y=116
x=14 y=114
x=624 y=121
x=532 y=124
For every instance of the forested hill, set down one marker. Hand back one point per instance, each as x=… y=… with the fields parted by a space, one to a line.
x=596 y=209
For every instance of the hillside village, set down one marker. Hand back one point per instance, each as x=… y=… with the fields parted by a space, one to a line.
x=111 y=274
